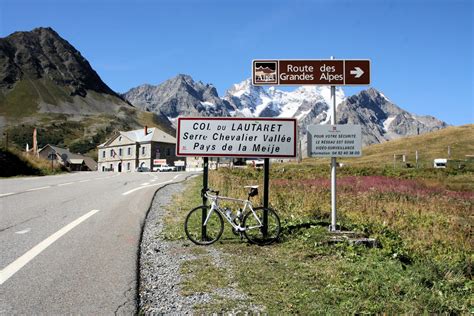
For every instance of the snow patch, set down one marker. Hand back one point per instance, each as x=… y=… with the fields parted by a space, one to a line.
x=387 y=122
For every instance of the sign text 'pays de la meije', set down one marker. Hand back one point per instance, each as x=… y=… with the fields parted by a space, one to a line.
x=236 y=137
x=311 y=72
x=334 y=140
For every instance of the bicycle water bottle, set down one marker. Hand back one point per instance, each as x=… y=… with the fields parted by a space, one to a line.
x=228 y=213
x=239 y=214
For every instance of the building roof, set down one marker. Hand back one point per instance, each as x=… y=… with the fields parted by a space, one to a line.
x=154 y=134
x=138 y=136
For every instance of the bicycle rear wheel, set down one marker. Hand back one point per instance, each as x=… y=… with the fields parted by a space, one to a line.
x=258 y=235
x=203 y=235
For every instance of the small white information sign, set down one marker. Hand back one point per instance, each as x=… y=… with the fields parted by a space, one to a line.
x=179 y=163
x=334 y=140
x=236 y=137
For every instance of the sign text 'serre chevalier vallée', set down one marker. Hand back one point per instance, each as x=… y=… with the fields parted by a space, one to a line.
x=236 y=137
x=334 y=140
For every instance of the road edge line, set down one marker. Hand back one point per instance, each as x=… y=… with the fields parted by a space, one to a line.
x=20 y=262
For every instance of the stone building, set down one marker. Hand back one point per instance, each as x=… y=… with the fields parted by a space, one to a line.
x=126 y=151
x=62 y=156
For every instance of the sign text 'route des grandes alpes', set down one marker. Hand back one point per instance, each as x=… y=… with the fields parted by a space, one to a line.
x=236 y=137
x=311 y=72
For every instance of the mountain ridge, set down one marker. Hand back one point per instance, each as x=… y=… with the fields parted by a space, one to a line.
x=381 y=119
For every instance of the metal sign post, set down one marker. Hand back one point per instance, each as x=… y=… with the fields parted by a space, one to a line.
x=266 y=184
x=333 y=166
x=205 y=181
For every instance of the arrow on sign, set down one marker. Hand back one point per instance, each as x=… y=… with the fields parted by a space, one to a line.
x=357 y=72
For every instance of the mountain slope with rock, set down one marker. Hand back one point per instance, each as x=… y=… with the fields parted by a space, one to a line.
x=180 y=95
x=45 y=82
x=381 y=119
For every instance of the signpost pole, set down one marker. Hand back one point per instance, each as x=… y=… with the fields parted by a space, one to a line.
x=333 y=164
x=266 y=183
x=205 y=184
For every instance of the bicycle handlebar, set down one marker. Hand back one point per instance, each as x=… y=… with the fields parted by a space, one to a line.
x=203 y=192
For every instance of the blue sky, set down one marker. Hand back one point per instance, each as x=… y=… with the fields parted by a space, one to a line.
x=421 y=51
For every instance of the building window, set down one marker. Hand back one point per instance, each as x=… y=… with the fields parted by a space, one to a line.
x=120 y=138
x=129 y=151
x=128 y=165
x=103 y=154
x=111 y=153
x=120 y=151
x=143 y=150
x=111 y=167
x=168 y=151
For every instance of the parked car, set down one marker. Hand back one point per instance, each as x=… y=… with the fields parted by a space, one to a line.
x=143 y=169
x=163 y=168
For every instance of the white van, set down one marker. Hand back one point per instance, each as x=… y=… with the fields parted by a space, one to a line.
x=440 y=163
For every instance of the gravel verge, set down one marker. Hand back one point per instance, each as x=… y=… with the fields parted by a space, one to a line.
x=160 y=261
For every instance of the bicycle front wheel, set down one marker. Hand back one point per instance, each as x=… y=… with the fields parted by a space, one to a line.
x=255 y=232
x=203 y=234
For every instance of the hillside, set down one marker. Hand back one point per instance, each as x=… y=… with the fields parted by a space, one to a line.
x=430 y=146
x=46 y=83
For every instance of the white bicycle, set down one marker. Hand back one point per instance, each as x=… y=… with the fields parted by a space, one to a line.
x=204 y=224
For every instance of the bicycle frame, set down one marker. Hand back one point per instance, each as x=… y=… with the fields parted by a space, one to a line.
x=215 y=208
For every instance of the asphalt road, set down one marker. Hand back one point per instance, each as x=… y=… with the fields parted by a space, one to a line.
x=69 y=243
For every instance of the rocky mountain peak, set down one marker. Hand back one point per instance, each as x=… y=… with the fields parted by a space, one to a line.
x=179 y=95
x=43 y=54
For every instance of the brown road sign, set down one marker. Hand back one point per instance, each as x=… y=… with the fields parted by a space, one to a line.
x=311 y=72
x=357 y=72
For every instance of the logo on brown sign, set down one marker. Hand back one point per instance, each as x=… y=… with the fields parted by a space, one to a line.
x=265 y=72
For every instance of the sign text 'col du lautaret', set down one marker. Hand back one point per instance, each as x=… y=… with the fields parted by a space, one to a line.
x=236 y=137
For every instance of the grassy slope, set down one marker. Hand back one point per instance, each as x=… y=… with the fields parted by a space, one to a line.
x=424 y=263
x=430 y=146
x=15 y=163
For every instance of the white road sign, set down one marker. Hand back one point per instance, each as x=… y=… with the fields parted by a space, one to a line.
x=334 y=140
x=236 y=137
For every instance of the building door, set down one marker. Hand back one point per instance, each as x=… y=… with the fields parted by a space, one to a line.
x=119 y=167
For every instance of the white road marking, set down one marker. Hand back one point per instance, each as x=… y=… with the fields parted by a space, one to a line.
x=67 y=183
x=5 y=194
x=85 y=180
x=146 y=183
x=24 y=231
x=36 y=189
x=176 y=176
x=143 y=187
x=19 y=263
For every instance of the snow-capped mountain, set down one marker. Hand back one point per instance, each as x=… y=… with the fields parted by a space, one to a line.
x=381 y=119
x=256 y=101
